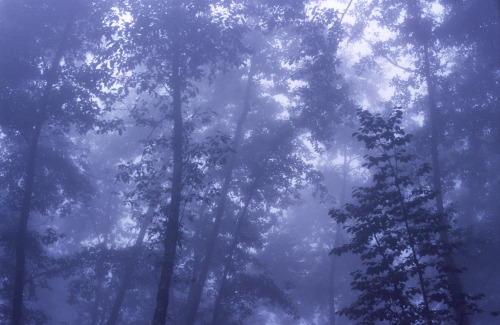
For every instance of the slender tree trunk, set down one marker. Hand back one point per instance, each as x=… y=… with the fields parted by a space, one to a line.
x=172 y=232
x=331 y=281
x=474 y=181
x=336 y=243
x=199 y=238
x=95 y=313
x=411 y=240
x=418 y=266
x=128 y=274
x=196 y=290
x=414 y=255
x=456 y=289
x=230 y=254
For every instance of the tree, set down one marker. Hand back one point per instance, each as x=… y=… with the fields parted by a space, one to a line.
x=51 y=80
x=397 y=235
x=197 y=286
x=416 y=34
x=271 y=176
x=266 y=23
x=469 y=97
x=171 y=45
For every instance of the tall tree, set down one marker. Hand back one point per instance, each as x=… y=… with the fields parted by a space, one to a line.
x=271 y=176
x=173 y=44
x=197 y=287
x=469 y=97
x=266 y=20
x=415 y=28
x=50 y=82
x=398 y=236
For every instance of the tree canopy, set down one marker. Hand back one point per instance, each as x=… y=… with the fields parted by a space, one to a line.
x=176 y=161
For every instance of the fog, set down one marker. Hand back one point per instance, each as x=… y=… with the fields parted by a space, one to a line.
x=249 y=162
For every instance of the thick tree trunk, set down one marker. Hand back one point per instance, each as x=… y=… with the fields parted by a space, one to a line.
x=100 y=275
x=128 y=274
x=196 y=289
x=22 y=232
x=172 y=232
x=456 y=289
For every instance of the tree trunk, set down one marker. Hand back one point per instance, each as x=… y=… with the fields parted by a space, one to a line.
x=336 y=243
x=100 y=274
x=196 y=289
x=22 y=231
x=172 y=232
x=229 y=258
x=411 y=242
x=128 y=274
x=458 y=297
x=199 y=238
x=456 y=289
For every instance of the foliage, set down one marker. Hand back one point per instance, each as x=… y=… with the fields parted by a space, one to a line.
x=395 y=232
x=51 y=86
x=279 y=76
x=323 y=97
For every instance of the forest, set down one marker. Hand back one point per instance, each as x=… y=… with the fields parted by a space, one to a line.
x=249 y=162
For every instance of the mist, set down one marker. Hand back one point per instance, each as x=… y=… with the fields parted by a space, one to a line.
x=249 y=162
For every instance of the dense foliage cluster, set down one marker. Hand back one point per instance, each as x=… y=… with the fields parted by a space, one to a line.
x=396 y=231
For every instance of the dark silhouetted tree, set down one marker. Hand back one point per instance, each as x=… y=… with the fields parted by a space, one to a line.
x=396 y=232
